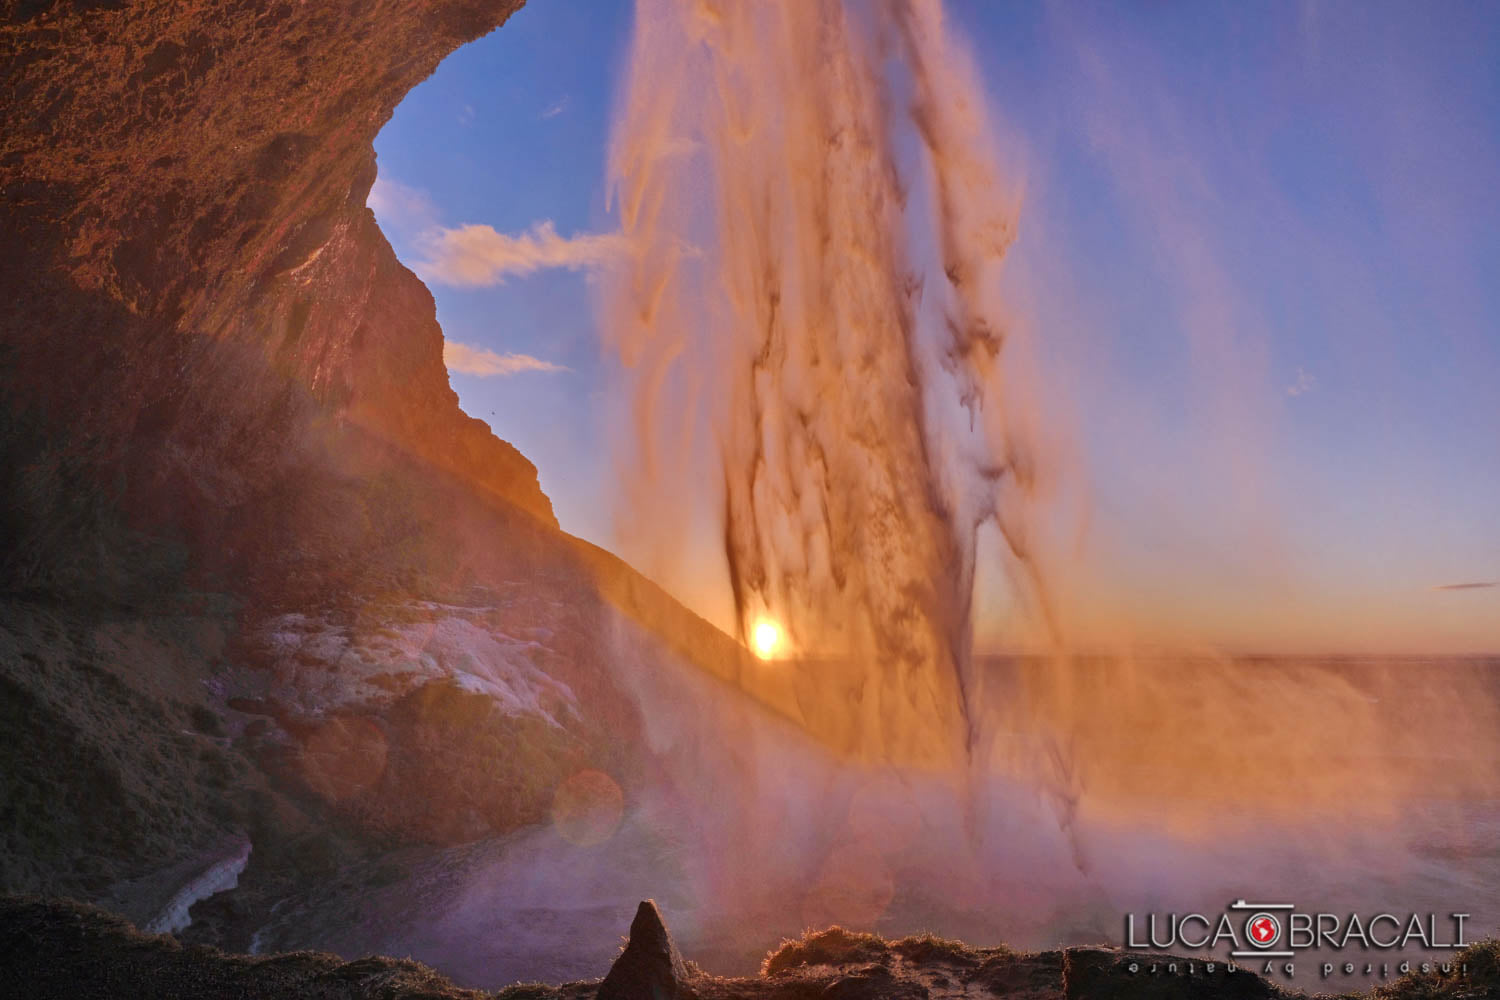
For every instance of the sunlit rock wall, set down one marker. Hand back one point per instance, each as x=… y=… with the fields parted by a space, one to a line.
x=210 y=358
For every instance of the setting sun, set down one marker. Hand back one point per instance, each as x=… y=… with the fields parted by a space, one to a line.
x=765 y=638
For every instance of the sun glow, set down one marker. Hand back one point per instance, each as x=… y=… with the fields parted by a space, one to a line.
x=765 y=638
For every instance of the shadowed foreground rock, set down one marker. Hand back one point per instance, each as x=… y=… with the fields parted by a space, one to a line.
x=649 y=968
x=57 y=949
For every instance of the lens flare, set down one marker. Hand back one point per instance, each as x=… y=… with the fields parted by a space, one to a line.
x=766 y=638
x=587 y=808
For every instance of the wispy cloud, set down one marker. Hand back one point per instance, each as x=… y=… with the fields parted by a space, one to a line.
x=399 y=207
x=556 y=108
x=474 y=256
x=1303 y=384
x=1477 y=585
x=470 y=360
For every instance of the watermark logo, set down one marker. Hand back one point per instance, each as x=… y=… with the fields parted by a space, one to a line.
x=1262 y=931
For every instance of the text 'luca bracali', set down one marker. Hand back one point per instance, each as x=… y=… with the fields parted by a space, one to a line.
x=1270 y=936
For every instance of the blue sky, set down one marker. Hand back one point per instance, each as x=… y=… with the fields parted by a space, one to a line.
x=1259 y=255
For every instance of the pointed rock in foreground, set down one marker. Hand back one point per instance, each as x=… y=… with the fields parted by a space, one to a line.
x=649 y=968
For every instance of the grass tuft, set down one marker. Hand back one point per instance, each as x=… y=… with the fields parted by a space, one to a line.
x=1481 y=960
x=927 y=948
x=834 y=946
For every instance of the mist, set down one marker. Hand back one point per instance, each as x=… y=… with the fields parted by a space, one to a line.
x=817 y=217
x=847 y=407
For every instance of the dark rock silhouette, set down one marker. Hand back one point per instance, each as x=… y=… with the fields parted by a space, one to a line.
x=62 y=950
x=1099 y=974
x=649 y=968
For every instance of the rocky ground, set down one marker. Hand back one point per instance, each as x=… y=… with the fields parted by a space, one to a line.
x=147 y=751
x=61 y=950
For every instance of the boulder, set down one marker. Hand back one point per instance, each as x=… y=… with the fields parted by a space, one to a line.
x=649 y=968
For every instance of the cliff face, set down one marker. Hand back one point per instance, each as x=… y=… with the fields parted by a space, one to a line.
x=210 y=359
x=259 y=575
